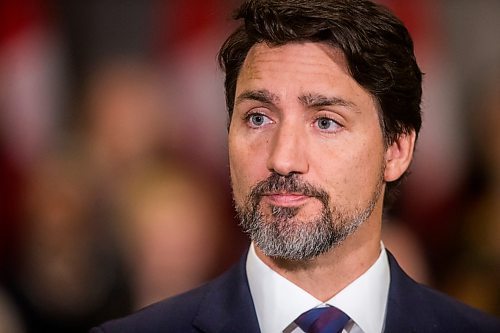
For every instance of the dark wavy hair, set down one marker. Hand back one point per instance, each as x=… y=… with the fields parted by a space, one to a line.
x=376 y=44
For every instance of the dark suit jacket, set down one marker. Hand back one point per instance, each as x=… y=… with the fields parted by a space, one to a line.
x=225 y=306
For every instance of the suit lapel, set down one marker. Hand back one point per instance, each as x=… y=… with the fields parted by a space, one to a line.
x=227 y=307
x=403 y=305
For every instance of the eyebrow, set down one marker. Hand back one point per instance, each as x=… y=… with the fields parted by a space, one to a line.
x=309 y=100
x=318 y=100
x=263 y=96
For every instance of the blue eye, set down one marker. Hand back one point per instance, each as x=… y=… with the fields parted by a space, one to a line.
x=327 y=124
x=257 y=120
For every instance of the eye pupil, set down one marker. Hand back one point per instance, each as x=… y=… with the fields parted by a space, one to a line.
x=324 y=123
x=257 y=119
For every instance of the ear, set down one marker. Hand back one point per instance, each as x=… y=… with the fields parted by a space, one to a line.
x=398 y=156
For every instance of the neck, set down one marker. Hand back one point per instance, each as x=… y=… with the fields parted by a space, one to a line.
x=324 y=276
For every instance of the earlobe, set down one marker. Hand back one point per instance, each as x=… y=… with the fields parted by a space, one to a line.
x=398 y=156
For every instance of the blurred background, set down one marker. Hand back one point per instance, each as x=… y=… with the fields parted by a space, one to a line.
x=113 y=165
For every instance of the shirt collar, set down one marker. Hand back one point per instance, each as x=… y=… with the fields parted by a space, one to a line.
x=278 y=301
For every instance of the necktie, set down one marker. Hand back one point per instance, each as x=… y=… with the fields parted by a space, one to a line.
x=322 y=320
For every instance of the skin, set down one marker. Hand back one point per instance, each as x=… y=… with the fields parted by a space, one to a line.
x=298 y=110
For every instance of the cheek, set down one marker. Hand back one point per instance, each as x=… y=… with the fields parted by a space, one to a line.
x=348 y=174
x=246 y=167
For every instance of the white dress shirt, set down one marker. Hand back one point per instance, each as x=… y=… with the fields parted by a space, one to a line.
x=278 y=302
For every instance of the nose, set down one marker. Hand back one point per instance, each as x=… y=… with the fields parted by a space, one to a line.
x=288 y=153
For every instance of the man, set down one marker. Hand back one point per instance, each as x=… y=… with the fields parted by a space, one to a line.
x=324 y=101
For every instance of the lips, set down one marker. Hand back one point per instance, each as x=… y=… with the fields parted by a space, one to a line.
x=285 y=199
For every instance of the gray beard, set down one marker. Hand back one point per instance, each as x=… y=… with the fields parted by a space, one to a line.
x=284 y=236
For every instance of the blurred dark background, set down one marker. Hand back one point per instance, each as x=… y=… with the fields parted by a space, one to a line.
x=113 y=167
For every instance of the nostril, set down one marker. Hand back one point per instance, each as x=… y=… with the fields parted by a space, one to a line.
x=287 y=165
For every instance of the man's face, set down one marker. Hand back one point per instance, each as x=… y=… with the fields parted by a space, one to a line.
x=306 y=150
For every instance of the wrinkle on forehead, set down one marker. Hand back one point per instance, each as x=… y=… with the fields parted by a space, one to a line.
x=262 y=53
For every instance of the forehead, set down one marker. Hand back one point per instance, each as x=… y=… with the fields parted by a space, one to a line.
x=316 y=57
x=300 y=68
x=306 y=65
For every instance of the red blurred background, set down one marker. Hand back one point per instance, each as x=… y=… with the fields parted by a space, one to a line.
x=113 y=167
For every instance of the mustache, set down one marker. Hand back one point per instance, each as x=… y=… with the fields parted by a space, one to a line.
x=276 y=183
